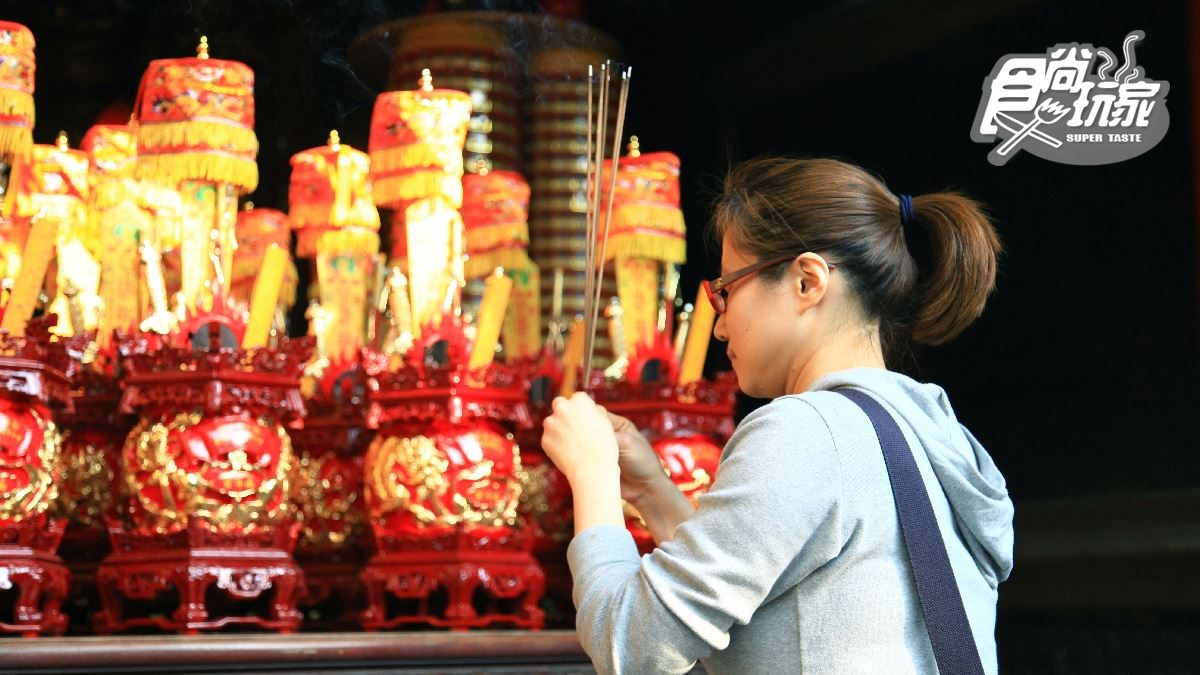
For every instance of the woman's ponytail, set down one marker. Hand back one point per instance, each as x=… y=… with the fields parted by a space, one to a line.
x=963 y=248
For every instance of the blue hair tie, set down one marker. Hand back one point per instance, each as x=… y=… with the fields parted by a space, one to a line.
x=907 y=217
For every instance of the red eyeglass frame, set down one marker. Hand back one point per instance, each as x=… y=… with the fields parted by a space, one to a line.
x=717 y=289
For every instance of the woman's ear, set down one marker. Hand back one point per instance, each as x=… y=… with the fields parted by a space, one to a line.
x=810 y=279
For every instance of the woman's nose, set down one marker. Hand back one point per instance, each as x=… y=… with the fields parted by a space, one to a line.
x=719 y=331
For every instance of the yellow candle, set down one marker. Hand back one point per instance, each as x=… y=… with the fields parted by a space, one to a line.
x=39 y=249
x=522 y=329
x=428 y=226
x=265 y=297
x=491 y=317
x=572 y=358
x=696 y=349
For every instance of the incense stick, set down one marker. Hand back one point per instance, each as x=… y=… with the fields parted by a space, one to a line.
x=612 y=189
x=591 y=278
x=592 y=183
x=594 y=265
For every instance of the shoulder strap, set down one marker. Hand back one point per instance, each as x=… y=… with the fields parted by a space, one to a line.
x=949 y=631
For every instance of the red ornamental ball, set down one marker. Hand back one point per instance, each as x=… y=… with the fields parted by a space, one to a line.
x=446 y=476
x=229 y=471
x=29 y=456
x=691 y=461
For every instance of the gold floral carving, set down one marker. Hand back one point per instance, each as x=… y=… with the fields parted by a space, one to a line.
x=90 y=481
x=321 y=504
x=534 y=482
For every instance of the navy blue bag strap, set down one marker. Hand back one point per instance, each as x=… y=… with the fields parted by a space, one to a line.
x=949 y=631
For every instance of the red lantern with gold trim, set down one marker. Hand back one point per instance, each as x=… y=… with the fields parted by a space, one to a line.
x=416 y=146
x=335 y=539
x=330 y=200
x=194 y=121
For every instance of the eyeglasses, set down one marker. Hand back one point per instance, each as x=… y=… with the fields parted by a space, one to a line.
x=718 y=289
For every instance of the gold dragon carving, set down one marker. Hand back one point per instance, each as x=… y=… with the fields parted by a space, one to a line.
x=223 y=510
x=410 y=474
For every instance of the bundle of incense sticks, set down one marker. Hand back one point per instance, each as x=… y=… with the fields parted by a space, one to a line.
x=596 y=139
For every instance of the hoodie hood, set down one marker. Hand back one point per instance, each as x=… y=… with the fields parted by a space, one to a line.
x=973 y=485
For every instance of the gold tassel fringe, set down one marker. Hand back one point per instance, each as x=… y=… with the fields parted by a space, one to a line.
x=484 y=238
x=391 y=191
x=109 y=193
x=482 y=264
x=216 y=168
x=196 y=136
x=346 y=241
x=447 y=158
x=16 y=141
x=364 y=215
x=16 y=136
x=652 y=246
x=647 y=231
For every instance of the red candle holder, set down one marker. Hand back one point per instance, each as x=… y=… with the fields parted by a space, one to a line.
x=335 y=540
x=442 y=489
x=93 y=434
x=33 y=580
x=206 y=535
x=687 y=425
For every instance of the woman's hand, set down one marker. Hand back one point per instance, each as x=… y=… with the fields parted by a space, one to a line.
x=580 y=439
x=640 y=466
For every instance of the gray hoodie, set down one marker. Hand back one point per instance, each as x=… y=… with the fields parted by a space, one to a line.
x=793 y=561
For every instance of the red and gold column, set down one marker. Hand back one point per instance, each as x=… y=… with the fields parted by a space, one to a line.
x=204 y=532
x=194 y=123
x=416 y=170
x=443 y=483
x=31 y=527
x=646 y=244
x=50 y=192
x=495 y=216
x=337 y=226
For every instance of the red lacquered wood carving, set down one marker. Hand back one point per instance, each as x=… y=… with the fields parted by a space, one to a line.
x=33 y=580
x=93 y=434
x=205 y=532
x=442 y=487
x=335 y=540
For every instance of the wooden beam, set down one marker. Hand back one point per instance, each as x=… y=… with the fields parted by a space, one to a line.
x=449 y=652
